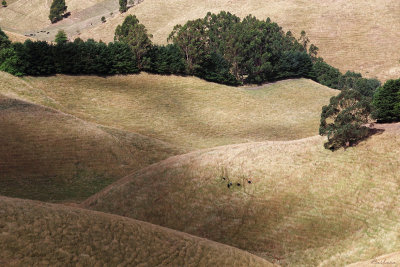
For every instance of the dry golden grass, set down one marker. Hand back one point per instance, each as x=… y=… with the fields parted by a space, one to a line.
x=352 y=35
x=15 y=37
x=305 y=206
x=26 y=17
x=30 y=15
x=189 y=112
x=392 y=260
x=39 y=234
x=49 y=155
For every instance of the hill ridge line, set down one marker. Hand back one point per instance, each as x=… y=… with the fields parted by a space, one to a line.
x=98 y=125
x=127 y=178
x=115 y=216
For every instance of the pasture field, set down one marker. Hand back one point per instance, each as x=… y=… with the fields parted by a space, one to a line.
x=305 y=205
x=189 y=112
x=36 y=233
x=49 y=155
x=361 y=36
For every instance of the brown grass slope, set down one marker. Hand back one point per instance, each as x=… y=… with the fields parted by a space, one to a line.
x=189 y=112
x=352 y=35
x=49 y=155
x=392 y=259
x=39 y=234
x=30 y=17
x=305 y=205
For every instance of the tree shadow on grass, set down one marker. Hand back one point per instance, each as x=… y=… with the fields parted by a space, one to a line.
x=370 y=131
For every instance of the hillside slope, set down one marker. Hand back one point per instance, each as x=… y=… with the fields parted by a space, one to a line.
x=304 y=206
x=352 y=35
x=31 y=17
x=34 y=233
x=189 y=112
x=49 y=155
x=392 y=259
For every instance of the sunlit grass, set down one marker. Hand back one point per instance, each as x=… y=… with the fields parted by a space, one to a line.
x=190 y=112
x=305 y=206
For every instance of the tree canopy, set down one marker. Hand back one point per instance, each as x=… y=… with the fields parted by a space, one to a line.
x=123 y=6
x=342 y=121
x=134 y=34
x=253 y=49
x=57 y=10
x=61 y=37
x=387 y=102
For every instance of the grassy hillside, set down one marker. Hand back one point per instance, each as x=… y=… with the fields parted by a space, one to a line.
x=189 y=112
x=304 y=206
x=49 y=155
x=34 y=233
x=30 y=17
x=392 y=259
x=352 y=35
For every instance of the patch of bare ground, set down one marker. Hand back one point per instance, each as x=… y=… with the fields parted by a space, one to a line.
x=40 y=234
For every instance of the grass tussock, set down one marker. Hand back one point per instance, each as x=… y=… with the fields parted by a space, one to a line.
x=34 y=233
x=305 y=205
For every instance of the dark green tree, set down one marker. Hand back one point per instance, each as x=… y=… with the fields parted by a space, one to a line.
x=103 y=19
x=166 y=60
x=4 y=3
x=4 y=41
x=294 y=64
x=326 y=75
x=61 y=37
x=386 y=102
x=304 y=40
x=134 y=34
x=342 y=121
x=123 y=6
x=192 y=39
x=252 y=48
x=10 y=62
x=57 y=10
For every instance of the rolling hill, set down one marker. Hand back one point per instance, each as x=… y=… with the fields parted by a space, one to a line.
x=304 y=206
x=392 y=259
x=48 y=155
x=352 y=35
x=188 y=112
x=361 y=36
x=35 y=233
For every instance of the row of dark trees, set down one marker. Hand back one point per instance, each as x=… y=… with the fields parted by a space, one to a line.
x=78 y=57
x=329 y=76
x=220 y=47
